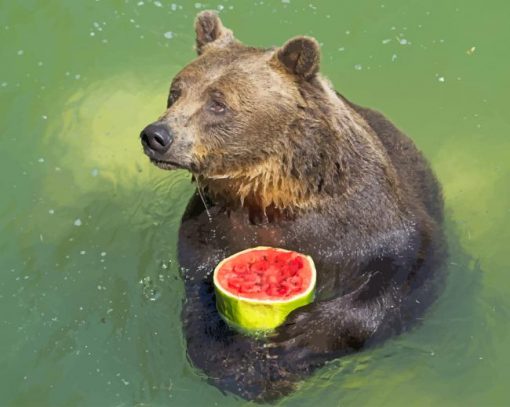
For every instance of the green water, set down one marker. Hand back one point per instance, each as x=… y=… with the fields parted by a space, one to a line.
x=90 y=293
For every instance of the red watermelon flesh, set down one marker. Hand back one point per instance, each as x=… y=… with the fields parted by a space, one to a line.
x=267 y=274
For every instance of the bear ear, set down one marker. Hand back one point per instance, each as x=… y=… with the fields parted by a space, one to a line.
x=300 y=56
x=209 y=29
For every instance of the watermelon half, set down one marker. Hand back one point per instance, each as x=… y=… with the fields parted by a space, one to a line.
x=257 y=288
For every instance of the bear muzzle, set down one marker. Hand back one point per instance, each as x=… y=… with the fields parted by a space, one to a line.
x=156 y=139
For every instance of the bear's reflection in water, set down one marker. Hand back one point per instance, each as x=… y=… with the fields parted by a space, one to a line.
x=285 y=161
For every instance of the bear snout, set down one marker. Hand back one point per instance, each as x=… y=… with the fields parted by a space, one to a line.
x=156 y=139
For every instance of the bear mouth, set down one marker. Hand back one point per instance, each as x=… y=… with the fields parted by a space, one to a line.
x=167 y=165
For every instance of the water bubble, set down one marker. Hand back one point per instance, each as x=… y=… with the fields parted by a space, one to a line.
x=77 y=222
x=149 y=289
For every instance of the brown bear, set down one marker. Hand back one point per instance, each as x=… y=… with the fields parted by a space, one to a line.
x=280 y=159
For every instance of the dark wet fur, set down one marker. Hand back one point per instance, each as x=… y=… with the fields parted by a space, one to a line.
x=289 y=164
x=365 y=293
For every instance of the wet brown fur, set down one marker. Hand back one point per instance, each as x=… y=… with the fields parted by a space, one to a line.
x=291 y=163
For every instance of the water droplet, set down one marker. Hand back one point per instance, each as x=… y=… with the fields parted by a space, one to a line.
x=471 y=51
x=41 y=160
x=51 y=211
x=441 y=79
x=149 y=290
x=20 y=52
x=169 y=35
x=77 y=222
x=158 y=4
x=358 y=67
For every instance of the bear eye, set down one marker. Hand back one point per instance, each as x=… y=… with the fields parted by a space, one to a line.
x=172 y=97
x=217 y=107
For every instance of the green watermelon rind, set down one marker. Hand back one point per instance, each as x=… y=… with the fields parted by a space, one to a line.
x=251 y=314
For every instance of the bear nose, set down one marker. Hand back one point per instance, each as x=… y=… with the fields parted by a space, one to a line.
x=157 y=137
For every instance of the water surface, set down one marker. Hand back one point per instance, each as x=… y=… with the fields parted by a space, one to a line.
x=90 y=292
